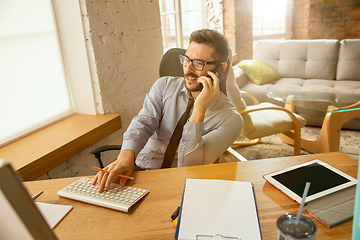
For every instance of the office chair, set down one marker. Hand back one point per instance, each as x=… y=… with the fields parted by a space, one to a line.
x=260 y=119
x=169 y=66
x=98 y=150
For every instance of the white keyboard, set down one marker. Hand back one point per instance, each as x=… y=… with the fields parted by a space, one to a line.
x=114 y=196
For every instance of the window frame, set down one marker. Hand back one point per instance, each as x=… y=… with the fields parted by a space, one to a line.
x=178 y=19
x=78 y=56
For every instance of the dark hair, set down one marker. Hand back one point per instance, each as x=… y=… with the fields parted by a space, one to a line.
x=214 y=39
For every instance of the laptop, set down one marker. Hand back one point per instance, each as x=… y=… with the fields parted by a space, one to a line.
x=19 y=218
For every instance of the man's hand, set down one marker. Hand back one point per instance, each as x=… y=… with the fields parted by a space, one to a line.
x=122 y=165
x=209 y=93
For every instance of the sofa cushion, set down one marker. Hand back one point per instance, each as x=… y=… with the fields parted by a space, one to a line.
x=267 y=122
x=300 y=58
x=259 y=72
x=348 y=67
x=322 y=59
x=268 y=52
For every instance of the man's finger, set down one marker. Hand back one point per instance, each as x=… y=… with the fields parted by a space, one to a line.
x=102 y=182
x=95 y=179
x=110 y=178
x=123 y=182
x=215 y=78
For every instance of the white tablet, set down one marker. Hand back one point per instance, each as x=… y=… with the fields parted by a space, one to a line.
x=324 y=180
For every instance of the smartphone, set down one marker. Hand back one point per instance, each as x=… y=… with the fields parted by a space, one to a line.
x=219 y=69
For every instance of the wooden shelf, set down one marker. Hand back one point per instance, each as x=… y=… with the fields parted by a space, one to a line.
x=38 y=153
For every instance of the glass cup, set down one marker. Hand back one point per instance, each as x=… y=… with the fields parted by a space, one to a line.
x=306 y=228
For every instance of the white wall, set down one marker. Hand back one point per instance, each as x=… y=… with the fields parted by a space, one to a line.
x=125 y=37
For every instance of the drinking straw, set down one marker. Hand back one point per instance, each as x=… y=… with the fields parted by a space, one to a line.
x=298 y=216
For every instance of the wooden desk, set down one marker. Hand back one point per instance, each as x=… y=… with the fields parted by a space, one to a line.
x=151 y=218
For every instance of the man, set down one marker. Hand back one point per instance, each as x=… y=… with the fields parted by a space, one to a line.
x=213 y=124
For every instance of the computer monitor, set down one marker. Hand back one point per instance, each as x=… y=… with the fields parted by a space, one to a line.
x=19 y=218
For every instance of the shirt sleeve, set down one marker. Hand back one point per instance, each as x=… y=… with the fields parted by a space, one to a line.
x=143 y=126
x=198 y=149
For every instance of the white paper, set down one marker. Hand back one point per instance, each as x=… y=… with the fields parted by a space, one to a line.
x=53 y=213
x=222 y=207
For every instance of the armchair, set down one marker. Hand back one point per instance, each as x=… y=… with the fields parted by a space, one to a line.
x=263 y=119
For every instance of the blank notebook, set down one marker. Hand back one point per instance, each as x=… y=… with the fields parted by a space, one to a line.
x=215 y=209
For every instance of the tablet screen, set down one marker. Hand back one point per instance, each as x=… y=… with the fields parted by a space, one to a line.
x=324 y=180
x=320 y=177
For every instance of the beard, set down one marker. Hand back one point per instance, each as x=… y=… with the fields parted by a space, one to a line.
x=191 y=86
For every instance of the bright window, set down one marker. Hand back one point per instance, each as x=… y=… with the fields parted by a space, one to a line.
x=41 y=82
x=33 y=85
x=179 y=18
x=272 y=19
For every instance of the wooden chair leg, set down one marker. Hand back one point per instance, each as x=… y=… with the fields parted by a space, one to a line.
x=237 y=155
x=247 y=142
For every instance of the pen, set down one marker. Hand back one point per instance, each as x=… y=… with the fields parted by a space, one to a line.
x=119 y=175
x=176 y=213
x=37 y=195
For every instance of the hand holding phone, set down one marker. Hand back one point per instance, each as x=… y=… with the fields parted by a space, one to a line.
x=204 y=99
x=219 y=70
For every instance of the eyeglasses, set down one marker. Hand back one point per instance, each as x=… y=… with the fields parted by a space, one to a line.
x=196 y=63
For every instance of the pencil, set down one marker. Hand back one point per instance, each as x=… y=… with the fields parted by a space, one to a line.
x=37 y=195
x=119 y=175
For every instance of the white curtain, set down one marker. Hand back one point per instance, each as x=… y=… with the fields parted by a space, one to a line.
x=33 y=85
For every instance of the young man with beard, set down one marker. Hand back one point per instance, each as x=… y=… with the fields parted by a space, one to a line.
x=212 y=126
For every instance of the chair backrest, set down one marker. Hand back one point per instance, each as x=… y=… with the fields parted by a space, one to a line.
x=170 y=66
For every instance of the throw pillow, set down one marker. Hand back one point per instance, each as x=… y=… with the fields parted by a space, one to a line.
x=259 y=72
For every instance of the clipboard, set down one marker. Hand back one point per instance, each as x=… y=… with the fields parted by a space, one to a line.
x=218 y=209
x=215 y=236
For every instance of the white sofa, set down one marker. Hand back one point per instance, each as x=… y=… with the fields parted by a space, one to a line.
x=318 y=66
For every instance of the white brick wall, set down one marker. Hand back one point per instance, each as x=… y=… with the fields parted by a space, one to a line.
x=127 y=44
